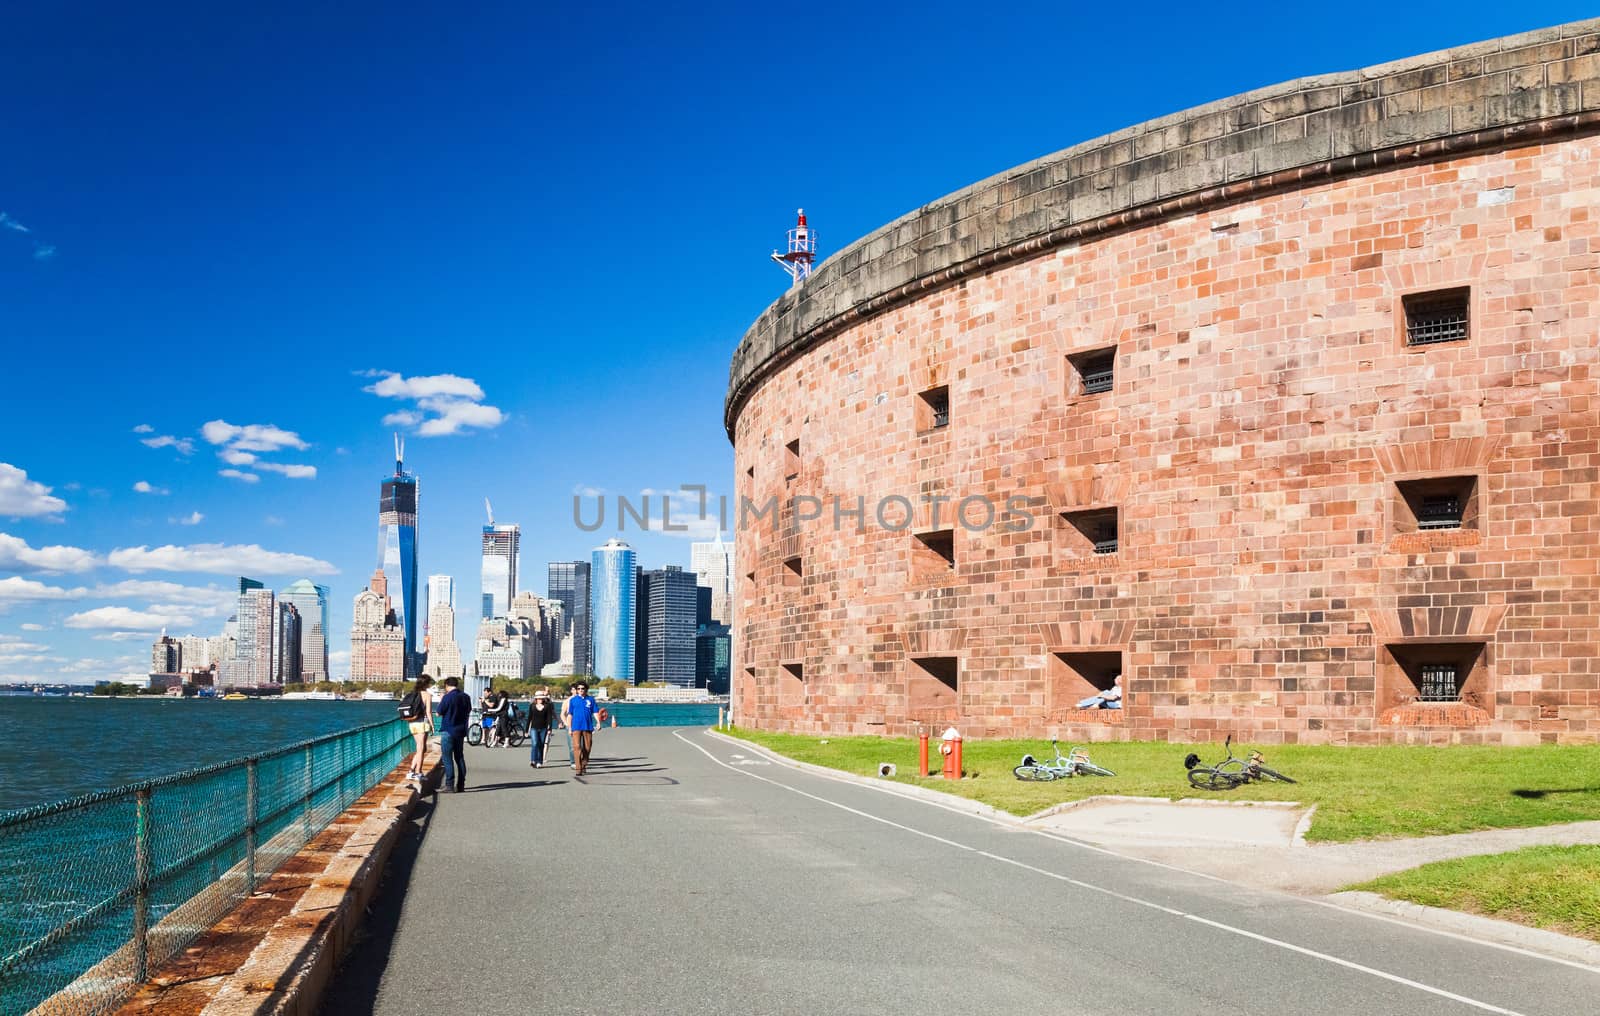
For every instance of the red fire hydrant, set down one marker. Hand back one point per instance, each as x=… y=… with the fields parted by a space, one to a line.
x=950 y=748
x=922 y=752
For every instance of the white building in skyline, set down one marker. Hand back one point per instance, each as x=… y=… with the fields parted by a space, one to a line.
x=501 y=547
x=712 y=564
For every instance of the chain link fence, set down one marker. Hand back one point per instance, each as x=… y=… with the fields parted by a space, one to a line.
x=103 y=889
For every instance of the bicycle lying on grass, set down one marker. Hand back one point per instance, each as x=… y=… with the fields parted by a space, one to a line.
x=1231 y=772
x=1074 y=763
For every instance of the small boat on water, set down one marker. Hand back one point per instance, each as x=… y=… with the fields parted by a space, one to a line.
x=234 y=696
x=309 y=696
x=373 y=695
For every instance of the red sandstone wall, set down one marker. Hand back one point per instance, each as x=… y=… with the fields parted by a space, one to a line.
x=1264 y=403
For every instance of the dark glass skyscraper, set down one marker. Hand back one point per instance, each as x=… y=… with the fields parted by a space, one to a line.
x=569 y=583
x=397 y=550
x=671 y=629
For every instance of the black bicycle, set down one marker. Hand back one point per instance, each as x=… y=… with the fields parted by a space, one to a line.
x=1231 y=772
x=513 y=733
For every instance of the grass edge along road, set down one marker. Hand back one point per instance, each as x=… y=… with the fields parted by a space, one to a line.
x=1360 y=793
x=1549 y=887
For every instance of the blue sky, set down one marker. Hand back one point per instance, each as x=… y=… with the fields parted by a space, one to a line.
x=536 y=234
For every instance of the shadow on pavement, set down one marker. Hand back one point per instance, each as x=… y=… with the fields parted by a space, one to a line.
x=354 y=988
x=511 y=786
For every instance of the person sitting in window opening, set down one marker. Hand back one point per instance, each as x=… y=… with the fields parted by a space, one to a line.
x=1111 y=698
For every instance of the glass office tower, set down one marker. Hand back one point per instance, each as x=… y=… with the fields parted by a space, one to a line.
x=397 y=551
x=569 y=583
x=311 y=600
x=612 y=602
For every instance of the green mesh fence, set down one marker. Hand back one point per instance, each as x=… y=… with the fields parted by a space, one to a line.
x=103 y=889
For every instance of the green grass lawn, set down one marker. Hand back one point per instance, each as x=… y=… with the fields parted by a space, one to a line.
x=1360 y=793
x=1556 y=888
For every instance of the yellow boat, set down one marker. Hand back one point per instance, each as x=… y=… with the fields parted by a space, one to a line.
x=234 y=696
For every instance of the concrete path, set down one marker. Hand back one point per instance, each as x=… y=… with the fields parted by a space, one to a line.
x=1258 y=846
x=688 y=875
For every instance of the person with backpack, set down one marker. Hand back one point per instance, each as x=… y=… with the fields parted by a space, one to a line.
x=455 y=709
x=417 y=710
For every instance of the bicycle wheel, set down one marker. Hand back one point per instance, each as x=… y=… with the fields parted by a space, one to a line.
x=516 y=737
x=475 y=734
x=1210 y=779
x=1090 y=769
x=1036 y=773
x=1273 y=774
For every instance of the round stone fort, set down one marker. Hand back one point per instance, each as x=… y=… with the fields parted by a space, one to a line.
x=1280 y=415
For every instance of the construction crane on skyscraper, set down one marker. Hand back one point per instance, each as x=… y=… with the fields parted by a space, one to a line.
x=489 y=509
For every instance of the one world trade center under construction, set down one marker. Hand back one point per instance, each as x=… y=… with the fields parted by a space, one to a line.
x=397 y=550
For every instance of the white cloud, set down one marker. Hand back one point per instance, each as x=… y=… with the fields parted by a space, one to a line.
x=394 y=386
x=183 y=445
x=252 y=437
x=234 y=474
x=44 y=251
x=144 y=428
x=16 y=589
x=234 y=458
x=292 y=472
x=456 y=416
x=191 y=519
x=445 y=403
x=174 y=596
x=273 y=520
x=20 y=590
x=21 y=497
x=682 y=511
x=218 y=559
x=30 y=626
x=126 y=619
x=10 y=223
x=120 y=636
x=17 y=556
x=144 y=487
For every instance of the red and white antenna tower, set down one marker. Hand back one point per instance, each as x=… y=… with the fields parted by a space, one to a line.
x=802 y=251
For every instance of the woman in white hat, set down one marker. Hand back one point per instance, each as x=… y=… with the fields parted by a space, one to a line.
x=541 y=717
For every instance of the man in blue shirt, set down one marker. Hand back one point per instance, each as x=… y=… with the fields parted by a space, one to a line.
x=579 y=714
x=454 y=710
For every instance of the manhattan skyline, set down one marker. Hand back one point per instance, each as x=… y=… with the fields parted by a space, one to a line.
x=224 y=287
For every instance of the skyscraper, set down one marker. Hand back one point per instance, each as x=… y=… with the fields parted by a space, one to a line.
x=441 y=589
x=287 y=661
x=641 y=626
x=377 y=642
x=612 y=604
x=569 y=583
x=501 y=545
x=397 y=549
x=672 y=629
x=251 y=664
x=311 y=600
x=712 y=564
x=444 y=655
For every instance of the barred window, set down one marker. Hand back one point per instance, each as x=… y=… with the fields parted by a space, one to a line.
x=1095 y=370
x=1432 y=318
x=1441 y=682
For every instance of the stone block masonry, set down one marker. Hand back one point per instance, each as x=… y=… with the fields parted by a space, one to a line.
x=1315 y=513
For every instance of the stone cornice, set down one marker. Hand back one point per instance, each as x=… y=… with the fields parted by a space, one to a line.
x=1510 y=91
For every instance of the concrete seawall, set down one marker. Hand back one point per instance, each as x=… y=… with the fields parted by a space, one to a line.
x=275 y=953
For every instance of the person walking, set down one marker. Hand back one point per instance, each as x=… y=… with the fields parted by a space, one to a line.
x=417 y=710
x=455 y=710
x=580 y=714
x=541 y=717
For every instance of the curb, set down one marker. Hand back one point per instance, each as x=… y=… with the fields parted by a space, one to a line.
x=1517 y=936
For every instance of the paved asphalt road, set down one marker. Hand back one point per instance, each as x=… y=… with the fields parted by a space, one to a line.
x=685 y=875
